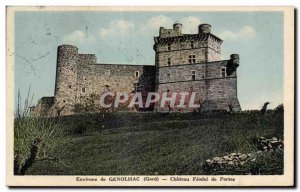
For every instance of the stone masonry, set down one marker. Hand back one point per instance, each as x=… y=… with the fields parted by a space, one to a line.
x=183 y=62
x=191 y=62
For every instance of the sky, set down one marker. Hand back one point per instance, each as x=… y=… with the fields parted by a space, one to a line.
x=127 y=38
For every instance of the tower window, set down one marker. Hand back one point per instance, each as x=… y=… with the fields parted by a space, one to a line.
x=193 y=75
x=192 y=59
x=169 y=47
x=107 y=72
x=137 y=74
x=137 y=86
x=192 y=44
x=223 y=71
x=169 y=61
x=83 y=90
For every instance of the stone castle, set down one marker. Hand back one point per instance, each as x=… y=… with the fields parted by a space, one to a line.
x=183 y=62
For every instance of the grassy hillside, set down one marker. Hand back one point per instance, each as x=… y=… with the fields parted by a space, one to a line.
x=164 y=144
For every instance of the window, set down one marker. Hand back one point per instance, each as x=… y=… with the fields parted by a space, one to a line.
x=223 y=71
x=83 y=90
x=169 y=61
x=169 y=47
x=192 y=44
x=168 y=74
x=107 y=72
x=69 y=86
x=192 y=59
x=137 y=74
x=191 y=88
x=137 y=87
x=193 y=75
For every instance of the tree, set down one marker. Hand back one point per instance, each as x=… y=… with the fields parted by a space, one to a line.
x=36 y=139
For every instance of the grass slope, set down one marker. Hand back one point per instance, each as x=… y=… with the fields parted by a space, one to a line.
x=164 y=144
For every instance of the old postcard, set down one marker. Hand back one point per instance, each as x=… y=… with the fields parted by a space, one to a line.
x=150 y=96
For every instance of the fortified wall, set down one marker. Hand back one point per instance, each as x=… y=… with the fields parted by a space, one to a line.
x=183 y=63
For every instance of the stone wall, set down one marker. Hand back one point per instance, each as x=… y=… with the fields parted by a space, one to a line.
x=176 y=73
x=214 y=91
x=66 y=79
x=79 y=77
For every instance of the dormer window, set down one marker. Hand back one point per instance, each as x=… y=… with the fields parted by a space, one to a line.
x=223 y=72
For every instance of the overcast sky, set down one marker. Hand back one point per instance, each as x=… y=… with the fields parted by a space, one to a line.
x=127 y=38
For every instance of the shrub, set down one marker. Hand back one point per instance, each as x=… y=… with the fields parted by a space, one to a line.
x=279 y=108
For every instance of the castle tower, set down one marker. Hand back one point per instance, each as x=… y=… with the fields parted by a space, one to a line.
x=192 y=63
x=174 y=48
x=65 y=84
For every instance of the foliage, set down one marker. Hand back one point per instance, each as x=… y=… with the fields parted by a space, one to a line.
x=268 y=163
x=35 y=138
x=48 y=132
x=279 y=109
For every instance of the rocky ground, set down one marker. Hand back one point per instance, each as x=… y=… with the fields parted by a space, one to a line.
x=243 y=163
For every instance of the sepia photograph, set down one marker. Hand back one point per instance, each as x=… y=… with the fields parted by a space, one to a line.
x=150 y=96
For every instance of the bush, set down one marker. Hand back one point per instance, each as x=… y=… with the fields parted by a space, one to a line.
x=268 y=163
x=279 y=109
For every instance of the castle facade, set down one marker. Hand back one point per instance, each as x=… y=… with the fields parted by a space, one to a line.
x=183 y=63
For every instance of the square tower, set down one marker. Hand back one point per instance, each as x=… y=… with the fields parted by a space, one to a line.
x=191 y=63
x=174 y=48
